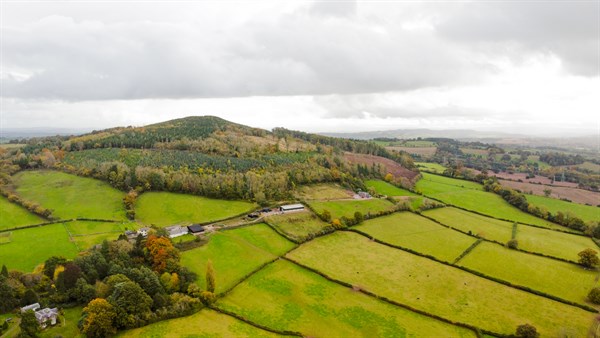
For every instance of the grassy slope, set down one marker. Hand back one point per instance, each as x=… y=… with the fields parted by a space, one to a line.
x=470 y=195
x=165 y=208
x=285 y=296
x=467 y=221
x=347 y=208
x=436 y=288
x=418 y=233
x=204 y=324
x=30 y=247
x=585 y=212
x=385 y=188
x=560 y=279
x=12 y=215
x=234 y=254
x=298 y=225
x=71 y=196
x=327 y=191
x=433 y=167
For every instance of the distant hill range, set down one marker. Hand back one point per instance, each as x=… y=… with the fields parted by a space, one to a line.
x=13 y=133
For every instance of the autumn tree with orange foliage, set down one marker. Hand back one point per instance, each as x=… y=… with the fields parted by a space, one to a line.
x=161 y=253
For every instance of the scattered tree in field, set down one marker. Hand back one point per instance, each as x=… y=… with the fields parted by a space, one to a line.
x=588 y=258
x=389 y=177
x=337 y=223
x=512 y=244
x=547 y=192
x=4 y=271
x=29 y=324
x=358 y=217
x=526 y=331
x=207 y=297
x=98 y=316
x=594 y=295
x=210 y=277
x=326 y=216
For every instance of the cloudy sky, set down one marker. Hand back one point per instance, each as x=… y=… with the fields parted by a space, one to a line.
x=515 y=66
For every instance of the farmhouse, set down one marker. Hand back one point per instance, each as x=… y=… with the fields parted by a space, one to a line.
x=43 y=316
x=144 y=231
x=176 y=231
x=291 y=207
x=195 y=228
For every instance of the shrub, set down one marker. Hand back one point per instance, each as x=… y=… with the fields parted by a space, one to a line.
x=526 y=331
x=512 y=244
x=594 y=295
x=207 y=297
x=588 y=258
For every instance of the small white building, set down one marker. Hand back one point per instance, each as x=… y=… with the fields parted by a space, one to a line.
x=291 y=207
x=176 y=231
x=143 y=231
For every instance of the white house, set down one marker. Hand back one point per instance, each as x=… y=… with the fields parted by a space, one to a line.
x=43 y=316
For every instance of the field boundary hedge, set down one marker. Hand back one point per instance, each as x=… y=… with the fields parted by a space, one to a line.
x=473 y=328
x=60 y=221
x=467 y=250
x=502 y=244
x=480 y=274
x=260 y=326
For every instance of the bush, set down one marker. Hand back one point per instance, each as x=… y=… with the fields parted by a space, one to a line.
x=594 y=295
x=588 y=258
x=512 y=244
x=207 y=297
x=526 y=331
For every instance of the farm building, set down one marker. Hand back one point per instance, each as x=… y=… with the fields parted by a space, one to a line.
x=43 y=316
x=176 y=231
x=144 y=231
x=291 y=207
x=195 y=228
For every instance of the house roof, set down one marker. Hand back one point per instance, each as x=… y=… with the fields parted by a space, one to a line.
x=292 y=206
x=176 y=230
x=46 y=313
x=33 y=307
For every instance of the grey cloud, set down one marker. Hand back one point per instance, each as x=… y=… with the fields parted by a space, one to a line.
x=568 y=29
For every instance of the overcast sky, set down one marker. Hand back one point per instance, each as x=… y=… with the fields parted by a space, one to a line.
x=514 y=66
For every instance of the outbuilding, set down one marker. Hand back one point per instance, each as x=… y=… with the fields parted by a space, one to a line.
x=291 y=207
x=195 y=228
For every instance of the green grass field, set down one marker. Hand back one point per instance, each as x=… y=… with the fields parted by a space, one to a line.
x=13 y=215
x=204 y=324
x=418 y=233
x=87 y=241
x=328 y=191
x=482 y=226
x=71 y=196
x=349 y=207
x=89 y=227
x=585 y=212
x=436 y=288
x=385 y=188
x=564 y=280
x=287 y=297
x=165 y=208
x=31 y=247
x=428 y=166
x=235 y=253
x=470 y=195
x=298 y=225
x=553 y=243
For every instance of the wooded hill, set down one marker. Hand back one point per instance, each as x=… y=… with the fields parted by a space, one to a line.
x=209 y=156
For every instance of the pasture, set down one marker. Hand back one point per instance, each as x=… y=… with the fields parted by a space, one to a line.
x=206 y=323
x=553 y=243
x=31 y=247
x=288 y=297
x=438 y=289
x=576 y=195
x=470 y=195
x=586 y=212
x=235 y=253
x=349 y=207
x=71 y=196
x=13 y=215
x=417 y=233
x=385 y=188
x=298 y=225
x=431 y=167
x=330 y=191
x=564 y=280
x=486 y=227
x=165 y=208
